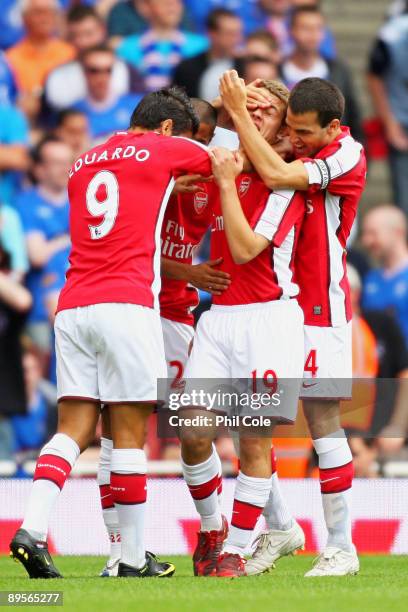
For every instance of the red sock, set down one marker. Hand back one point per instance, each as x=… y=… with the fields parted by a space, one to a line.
x=244 y=515
x=53 y=468
x=106 y=497
x=336 y=479
x=128 y=489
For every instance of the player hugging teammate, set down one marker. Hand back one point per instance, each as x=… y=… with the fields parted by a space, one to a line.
x=279 y=233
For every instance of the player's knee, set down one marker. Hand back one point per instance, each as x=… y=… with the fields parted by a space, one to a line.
x=83 y=438
x=195 y=449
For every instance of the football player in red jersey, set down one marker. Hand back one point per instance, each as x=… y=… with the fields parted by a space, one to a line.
x=188 y=216
x=245 y=334
x=109 y=341
x=331 y=169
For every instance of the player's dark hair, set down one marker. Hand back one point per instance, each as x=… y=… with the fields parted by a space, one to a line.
x=317 y=95
x=168 y=103
x=205 y=111
x=65 y=114
x=215 y=16
x=306 y=9
x=80 y=12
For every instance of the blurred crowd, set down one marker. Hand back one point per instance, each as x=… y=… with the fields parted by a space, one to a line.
x=72 y=71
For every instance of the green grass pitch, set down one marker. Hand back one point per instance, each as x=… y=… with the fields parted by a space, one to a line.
x=382 y=585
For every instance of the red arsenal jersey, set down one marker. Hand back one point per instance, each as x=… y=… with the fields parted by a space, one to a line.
x=187 y=218
x=337 y=178
x=118 y=193
x=277 y=216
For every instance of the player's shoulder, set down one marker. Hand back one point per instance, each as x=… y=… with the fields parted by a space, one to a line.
x=342 y=156
x=343 y=147
x=184 y=143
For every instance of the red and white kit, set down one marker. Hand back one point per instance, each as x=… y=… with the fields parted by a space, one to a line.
x=337 y=178
x=108 y=335
x=254 y=327
x=187 y=218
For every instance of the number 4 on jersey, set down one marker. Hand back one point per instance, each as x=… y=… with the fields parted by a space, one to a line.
x=311 y=363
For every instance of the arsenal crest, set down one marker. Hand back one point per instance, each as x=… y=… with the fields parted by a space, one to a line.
x=200 y=201
x=244 y=185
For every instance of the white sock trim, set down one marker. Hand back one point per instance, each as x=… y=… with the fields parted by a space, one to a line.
x=62 y=446
x=201 y=472
x=252 y=490
x=128 y=461
x=333 y=450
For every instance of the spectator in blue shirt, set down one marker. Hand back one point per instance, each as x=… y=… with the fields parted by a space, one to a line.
x=106 y=112
x=13 y=151
x=44 y=211
x=157 y=52
x=384 y=235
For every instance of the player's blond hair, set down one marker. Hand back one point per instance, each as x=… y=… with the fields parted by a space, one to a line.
x=277 y=89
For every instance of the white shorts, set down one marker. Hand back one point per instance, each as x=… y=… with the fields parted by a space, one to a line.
x=253 y=341
x=113 y=353
x=328 y=362
x=177 y=343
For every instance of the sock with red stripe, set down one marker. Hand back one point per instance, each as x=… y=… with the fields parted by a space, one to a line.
x=203 y=481
x=54 y=464
x=128 y=487
x=109 y=512
x=276 y=513
x=336 y=477
x=251 y=495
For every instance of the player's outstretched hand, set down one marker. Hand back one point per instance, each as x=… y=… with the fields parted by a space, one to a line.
x=188 y=183
x=226 y=164
x=233 y=92
x=204 y=276
x=256 y=96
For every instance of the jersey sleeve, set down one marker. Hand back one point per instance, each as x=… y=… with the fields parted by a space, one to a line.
x=188 y=157
x=282 y=211
x=339 y=173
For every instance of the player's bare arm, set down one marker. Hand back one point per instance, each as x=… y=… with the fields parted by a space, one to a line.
x=188 y=183
x=243 y=242
x=203 y=276
x=274 y=171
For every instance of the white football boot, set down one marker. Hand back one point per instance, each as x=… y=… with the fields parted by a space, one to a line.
x=110 y=569
x=335 y=562
x=272 y=545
